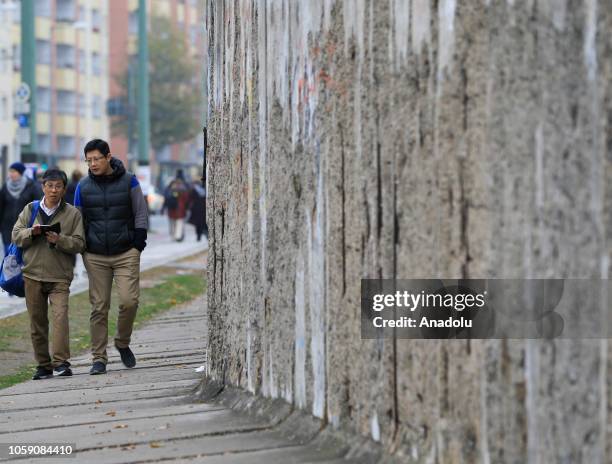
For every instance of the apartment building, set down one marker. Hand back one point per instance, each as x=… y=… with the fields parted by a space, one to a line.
x=72 y=78
x=9 y=150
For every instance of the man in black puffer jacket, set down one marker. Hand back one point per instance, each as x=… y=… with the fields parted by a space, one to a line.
x=116 y=221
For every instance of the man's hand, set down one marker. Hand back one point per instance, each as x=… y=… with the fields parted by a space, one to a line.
x=52 y=237
x=36 y=230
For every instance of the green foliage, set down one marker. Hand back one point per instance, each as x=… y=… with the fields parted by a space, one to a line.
x=175 y=94
x=23 y=374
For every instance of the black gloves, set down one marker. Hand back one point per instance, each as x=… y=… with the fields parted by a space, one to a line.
x=140 y=239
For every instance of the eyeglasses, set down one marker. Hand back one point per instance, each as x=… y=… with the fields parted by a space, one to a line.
x=53 y=187
x=91 y=161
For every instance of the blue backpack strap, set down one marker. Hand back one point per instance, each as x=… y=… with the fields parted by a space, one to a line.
x=34 y=212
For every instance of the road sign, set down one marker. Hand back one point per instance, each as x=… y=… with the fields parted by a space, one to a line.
x=23 y=120
x=23 y=135
x=23 y=92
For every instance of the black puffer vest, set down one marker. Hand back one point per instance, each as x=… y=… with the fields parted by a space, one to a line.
x=107 y=211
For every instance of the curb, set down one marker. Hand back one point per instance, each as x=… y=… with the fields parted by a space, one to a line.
x=297 y=425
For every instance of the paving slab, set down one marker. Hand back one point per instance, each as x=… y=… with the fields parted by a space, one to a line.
x=75 y=383
x=127 y=431
x=114 y=362
x=156 y=412
x=103 y=414
x=44 y=416
x=171 y=449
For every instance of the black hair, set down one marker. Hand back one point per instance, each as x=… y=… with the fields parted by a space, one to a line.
x=76 y=176
x=97 y=144
x=55 y=174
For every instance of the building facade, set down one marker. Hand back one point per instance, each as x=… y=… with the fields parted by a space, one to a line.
x=72 y=78
x=9 y=151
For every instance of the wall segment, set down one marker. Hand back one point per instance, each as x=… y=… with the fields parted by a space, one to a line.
x=410 y=139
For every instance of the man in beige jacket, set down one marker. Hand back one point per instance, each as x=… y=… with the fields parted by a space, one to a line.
x=48 y=271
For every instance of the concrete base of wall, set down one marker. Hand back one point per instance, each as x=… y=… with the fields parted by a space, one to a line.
x=296 y=426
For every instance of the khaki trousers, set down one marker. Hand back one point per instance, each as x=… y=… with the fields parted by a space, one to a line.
x=124 y=268
x=177 y=229
x=38 y=295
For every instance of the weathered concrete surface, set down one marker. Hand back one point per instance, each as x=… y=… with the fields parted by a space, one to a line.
x=155 y=412
x=397 y=138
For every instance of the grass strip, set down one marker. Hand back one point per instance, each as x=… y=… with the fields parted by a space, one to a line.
x=168 y=290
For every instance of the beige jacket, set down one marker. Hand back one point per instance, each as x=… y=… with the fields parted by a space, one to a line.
x=41 y=262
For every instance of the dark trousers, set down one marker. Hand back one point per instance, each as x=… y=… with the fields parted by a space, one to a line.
x=38 y=295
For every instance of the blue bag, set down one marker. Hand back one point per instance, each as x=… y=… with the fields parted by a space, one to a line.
x=11 y=276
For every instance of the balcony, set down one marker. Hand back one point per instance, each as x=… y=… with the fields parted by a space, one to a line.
x=43 y=75
x=43 y=28
x=65 y=124
x=65 y=33
x=65 y=79
x=43 y=123
x=65 y=10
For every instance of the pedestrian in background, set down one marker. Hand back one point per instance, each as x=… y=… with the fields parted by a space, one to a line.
x=116 y=220
x=47 y=272
x=197 y=215
x=74 y=181
x=15 y=194
x=176 y=202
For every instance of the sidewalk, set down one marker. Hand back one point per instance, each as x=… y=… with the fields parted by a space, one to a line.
x=152 y=412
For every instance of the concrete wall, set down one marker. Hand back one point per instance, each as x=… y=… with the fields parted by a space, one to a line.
x=398 y=138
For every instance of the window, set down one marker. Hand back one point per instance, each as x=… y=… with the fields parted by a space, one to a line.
x=43 y=51
x=82 y=61
x=16 y=57
x=82 y=105
x=4 y=61
x=65 y=56
x=44 y=143
x=4 y=109
x=42 y=8
x=96 y=20
x=64 y=10
x=66 y=102
x=43 y=99
x=66 y=145
x=133 y=23
x=97 y=107
x=163 y=154
x=17 y=14
x=96 y=63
